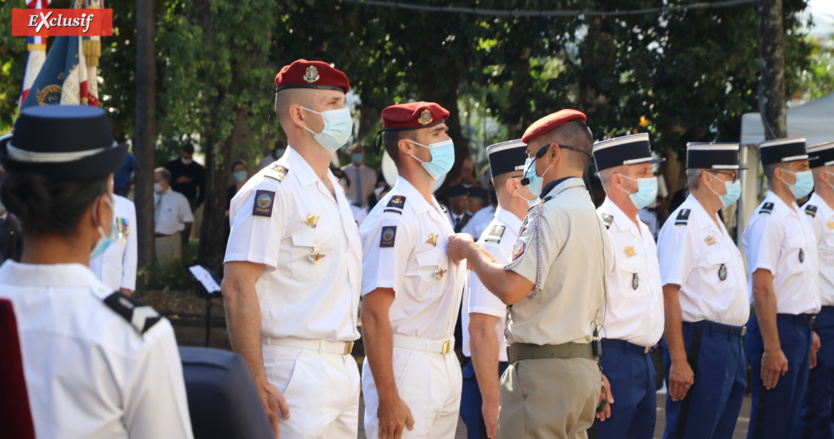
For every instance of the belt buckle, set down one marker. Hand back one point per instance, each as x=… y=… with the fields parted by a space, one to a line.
x=743 y=330
x=348 y=347
x=447 y=346
x=813 y=319
x=647 y=349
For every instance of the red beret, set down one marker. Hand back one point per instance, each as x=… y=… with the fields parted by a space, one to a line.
x=550 y=122
x=311 y=74
x=413 y=115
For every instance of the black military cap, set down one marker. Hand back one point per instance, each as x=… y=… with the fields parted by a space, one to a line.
x=821 y=154
x=783 y=150
x=506 y=156
x=627 y=150
x=712 y=156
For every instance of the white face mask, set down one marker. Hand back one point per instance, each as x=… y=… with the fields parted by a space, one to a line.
x=157 y=187
x=186 y=161
x=338 y=127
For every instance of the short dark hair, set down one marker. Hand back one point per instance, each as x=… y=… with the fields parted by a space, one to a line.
x=239 y=162
x=390 y=140
x=47 y=207
x=188 y=148
x=573 y=133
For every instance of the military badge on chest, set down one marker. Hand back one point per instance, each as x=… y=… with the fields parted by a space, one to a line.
x=801 y=256
x=722 y=272
x=635 y=281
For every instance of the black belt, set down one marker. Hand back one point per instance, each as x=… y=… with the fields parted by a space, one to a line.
x=806 y=319
x=719 y=328
x=612 y=343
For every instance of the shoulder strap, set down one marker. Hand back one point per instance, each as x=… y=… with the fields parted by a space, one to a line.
x=767 y=207
x=683 y=217
x=396 y=204
x=142 y=317
x=811 y=210
x=495 y=234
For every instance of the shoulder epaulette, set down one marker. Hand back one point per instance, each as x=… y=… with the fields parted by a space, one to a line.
x=396 y=204
x=495 y=234
x=444 y=209
x=277 y=172
x=142 y=317
x=811 y=210
x=767 y=207
x=608 y=219
x=683 y=217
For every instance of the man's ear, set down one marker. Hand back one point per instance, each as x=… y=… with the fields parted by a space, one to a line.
x=405 y=146
x=297 y=115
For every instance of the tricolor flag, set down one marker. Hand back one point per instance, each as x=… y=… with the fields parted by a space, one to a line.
x=36 y=55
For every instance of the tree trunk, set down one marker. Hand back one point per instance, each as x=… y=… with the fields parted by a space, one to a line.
x=772 y=64
x=144 y=147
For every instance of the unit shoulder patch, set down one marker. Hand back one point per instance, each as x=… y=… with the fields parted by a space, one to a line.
x=277 y=172
x=387 y=237
x=264 y=201
x=142 y=317
x=396 y=204
x=811 y=210
x=767 y=208
x=608 y=219
x=495 y=234
x=683 y=217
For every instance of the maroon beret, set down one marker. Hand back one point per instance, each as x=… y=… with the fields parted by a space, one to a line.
x=413 y=115
x=311 y=74
x=550 y=122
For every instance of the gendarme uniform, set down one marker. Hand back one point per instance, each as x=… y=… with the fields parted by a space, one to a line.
x=553 y=381
x=498 y=239
x=779 y=238
x=97 y=364
x=116 y=267
x=404 y=243
x=285 y=218
x=634 y=309
x=819 y=417
x=697 y=253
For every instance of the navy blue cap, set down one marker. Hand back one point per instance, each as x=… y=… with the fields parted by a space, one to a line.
x=712 y=156
x=627 y=150
x=456 y=191
x=821 y=154
x=63 y=142
x=506 y=156
x=783 y=150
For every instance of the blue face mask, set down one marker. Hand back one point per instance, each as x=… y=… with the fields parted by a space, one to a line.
x=240 y=176
x=442 y=158
x=357 y=158
x=534 y=181
x=108 y=239
x=646 y=191
x=804 y=183
x=338 y=127
x=732 y=195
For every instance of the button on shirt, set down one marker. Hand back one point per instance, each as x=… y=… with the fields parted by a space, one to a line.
x=783 y=243
x=310 y=245
x=692 y=255
x=477 y=298
x=572 y=262
x=634 y=311
x=171 y=212
x=89 y=372
x=822 y=224
x=427 y=284
x=116 y=267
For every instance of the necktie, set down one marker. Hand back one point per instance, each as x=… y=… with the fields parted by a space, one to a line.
x=156 y=209
x=359 y=200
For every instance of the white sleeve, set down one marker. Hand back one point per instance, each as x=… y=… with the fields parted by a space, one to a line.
x=481 y=300
x=156 y=405
x=255 y=236
x=185 y=210
x=386 y=249
x=129 y=259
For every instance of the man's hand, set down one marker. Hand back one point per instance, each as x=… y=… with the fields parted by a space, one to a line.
x=605 y=393
x=774 y=365
x=274 y=404
x=183 y=179
x=681 y=378
x=458 y=246
x=490 y=413
x=816 y=344
x=393 y=415
x=127 y=292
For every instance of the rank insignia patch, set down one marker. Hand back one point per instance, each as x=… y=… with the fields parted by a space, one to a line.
x=264 y=200
x=519 y=250
x=629 y=251
x=389 y=234
x=277 y=172
x=395 y=204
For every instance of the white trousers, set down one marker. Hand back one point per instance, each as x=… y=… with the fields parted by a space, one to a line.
x=430 y=384
x=322 y=391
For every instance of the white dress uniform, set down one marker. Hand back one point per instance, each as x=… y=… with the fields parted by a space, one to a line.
x=634 y=311
x=780 y=238
x=479 y=221
x=97 y=364
x=498 y=239
x=693 y=257
x=285 y=218
x=404 y=242
x=116 y=267
x=821 y=217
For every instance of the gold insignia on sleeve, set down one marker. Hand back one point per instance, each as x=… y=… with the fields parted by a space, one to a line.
x=629 y=251
x=311 y=75
x=316 y=255
x=312 y=220
x=440 y=272
x=425 y=117
x=432 y=239
x=830 y=225
x=709 y=240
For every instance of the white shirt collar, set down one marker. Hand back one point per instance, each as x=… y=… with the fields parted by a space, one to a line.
x=56 y=275
x=505 y=216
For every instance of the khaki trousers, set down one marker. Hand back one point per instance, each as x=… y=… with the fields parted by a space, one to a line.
x=554 y=398
x=167 y=248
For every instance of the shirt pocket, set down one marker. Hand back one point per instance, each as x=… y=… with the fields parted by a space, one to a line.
x=796 y=251
x=826 y=251
x=714 y=266
x=634 y=276
x=313 y=254
x=433 y=270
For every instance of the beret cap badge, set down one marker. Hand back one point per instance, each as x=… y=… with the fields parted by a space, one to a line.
x=311 y=75
x=425 y=117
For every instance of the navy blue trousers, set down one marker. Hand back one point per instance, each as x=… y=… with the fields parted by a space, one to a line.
x=633 y=379
x=817 y=417
x=775 y=413
x=471 y=402
x=710 y=409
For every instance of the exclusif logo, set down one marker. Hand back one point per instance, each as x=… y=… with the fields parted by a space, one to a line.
x=62 y=22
